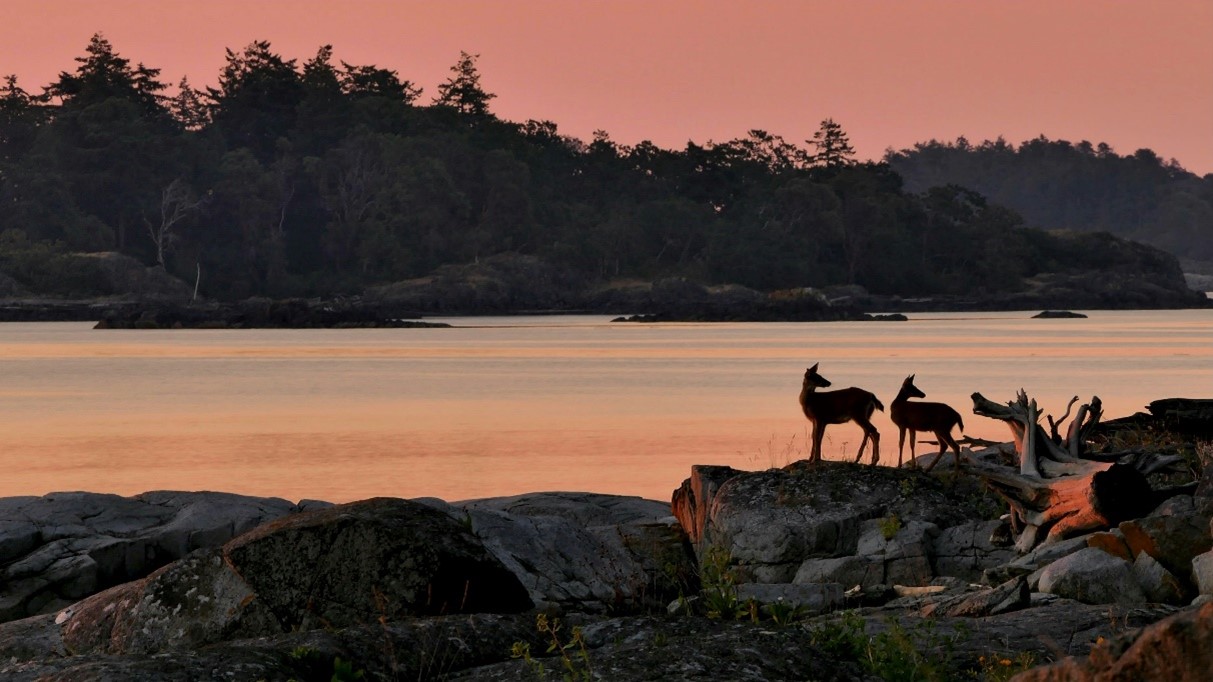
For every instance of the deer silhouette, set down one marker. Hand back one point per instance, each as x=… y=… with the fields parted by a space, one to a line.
x=937 y=418
x=838 y=407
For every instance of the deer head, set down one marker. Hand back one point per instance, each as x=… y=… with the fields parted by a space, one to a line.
x=814 y=380
x=911 y=391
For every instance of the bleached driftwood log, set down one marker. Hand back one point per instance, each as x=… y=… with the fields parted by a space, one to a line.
x=1060 y=489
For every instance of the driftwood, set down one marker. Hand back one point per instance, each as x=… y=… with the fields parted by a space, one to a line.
x=1060 y=488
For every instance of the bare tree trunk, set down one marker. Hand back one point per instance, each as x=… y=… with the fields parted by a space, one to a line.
x=176 y=202
x=1061 y=490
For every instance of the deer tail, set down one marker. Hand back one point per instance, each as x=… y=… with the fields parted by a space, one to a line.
x=877 y=403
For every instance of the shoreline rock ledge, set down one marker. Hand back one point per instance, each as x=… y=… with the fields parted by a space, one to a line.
x=767 y=575
x=62 y=547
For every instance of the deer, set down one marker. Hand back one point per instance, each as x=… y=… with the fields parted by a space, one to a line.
x=838 y=407
x=937 y=418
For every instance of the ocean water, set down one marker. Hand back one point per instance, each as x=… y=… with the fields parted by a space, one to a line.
x=500 y=406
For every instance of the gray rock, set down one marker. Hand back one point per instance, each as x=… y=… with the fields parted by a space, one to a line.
x=31 y=638
x=1012 y=595
x=849 y=571
x=581 y=508
x=593 y=569
x=355 y=564
x=17 y=537
x=61 y=547
x=1159 y=585
x=584 y=551
x=772 y=521
x=906 y=555
x=1033 y=561
x=812 y=598
x=1092 y=576
x=693 y=500
x=1202 y=572
x=477 y=647
x=1179 y=647
x=965 y=550
x=1179 y=505
x=193 y=602
x=1173 y=539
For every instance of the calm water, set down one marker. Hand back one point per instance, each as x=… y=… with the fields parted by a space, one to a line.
x=502 y=406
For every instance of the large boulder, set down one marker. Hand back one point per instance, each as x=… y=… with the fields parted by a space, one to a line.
x=1173 y=535
x=1159 y=584
x=1092 y=576
x=587 y=552
x=61 y=547
x=359 y=563
x=771 y=522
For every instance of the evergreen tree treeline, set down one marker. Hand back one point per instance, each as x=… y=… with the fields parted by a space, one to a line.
x=323 y=177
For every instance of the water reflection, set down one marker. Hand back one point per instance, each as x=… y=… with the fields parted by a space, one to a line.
x=505 y=405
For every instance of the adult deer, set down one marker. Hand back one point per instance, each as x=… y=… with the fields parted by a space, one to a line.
x=838 y=407
x=937 y=418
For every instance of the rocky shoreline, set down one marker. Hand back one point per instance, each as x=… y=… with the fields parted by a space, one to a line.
x=358 y=312
x=831 y=571
x=519 y=285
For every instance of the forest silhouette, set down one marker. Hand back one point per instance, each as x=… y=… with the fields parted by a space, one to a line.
x=320 y=178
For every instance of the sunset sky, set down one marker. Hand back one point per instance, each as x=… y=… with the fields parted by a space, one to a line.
x=1132 y=74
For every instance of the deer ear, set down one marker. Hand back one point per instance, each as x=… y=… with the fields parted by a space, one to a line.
x=814 y=367
x=911 y=377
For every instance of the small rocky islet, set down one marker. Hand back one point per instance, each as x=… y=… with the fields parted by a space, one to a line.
x=831 y=571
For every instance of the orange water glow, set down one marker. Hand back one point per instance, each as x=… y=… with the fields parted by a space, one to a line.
x=511 y=405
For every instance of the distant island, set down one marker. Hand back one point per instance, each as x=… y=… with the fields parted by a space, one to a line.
x=319 y=180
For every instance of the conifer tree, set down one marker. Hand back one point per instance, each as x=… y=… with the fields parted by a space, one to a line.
x=462 y=91
x=834 y=148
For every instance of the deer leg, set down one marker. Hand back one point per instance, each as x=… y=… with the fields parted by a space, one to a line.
x=875 y=444
x=942 y=449
x=946 y=439
x=819 y=431
x=862 y=444
x=913 y=442
x=901 y=443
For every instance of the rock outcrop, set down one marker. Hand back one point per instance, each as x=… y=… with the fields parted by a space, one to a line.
x=830 y=571
x=342 y=566
x=62 y=547
x=260 y=314
x=836 y=521
x=360 y=570
x=587 y=552
x=1178 y=649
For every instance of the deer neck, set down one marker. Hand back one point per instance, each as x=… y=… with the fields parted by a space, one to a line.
x=806 y=396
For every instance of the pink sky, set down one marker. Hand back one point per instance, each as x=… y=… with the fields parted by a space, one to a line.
x=1130 y=73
